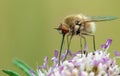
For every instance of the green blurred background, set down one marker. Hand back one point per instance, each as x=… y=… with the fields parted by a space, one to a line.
x=26 y=28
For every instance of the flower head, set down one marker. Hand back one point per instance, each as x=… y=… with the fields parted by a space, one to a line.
x=97 y=63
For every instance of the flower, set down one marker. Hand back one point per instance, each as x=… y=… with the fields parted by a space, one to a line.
x=97 y=63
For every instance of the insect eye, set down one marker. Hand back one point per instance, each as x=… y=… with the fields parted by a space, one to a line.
x=78 y=23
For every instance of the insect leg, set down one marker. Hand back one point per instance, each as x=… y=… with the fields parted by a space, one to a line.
x=85 y=42
x=69 y=41
x=68 y=45
x=93 y=39
x=81 y=44
x=63 y=37
x=94 y=42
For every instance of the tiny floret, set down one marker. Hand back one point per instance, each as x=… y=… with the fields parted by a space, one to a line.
x=97 y=63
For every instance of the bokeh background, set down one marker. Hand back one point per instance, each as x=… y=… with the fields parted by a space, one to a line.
x=26 y=28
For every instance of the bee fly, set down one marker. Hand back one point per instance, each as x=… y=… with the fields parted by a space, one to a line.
x=81 y=25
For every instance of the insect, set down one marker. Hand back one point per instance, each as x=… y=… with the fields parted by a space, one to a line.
x=81 y=25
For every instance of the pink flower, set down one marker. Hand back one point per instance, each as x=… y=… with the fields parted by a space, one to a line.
x=97 y=63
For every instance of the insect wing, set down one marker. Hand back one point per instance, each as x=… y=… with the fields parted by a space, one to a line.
x=100 y=18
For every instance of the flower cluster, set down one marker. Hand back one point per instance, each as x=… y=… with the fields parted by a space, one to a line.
x=97 y=63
